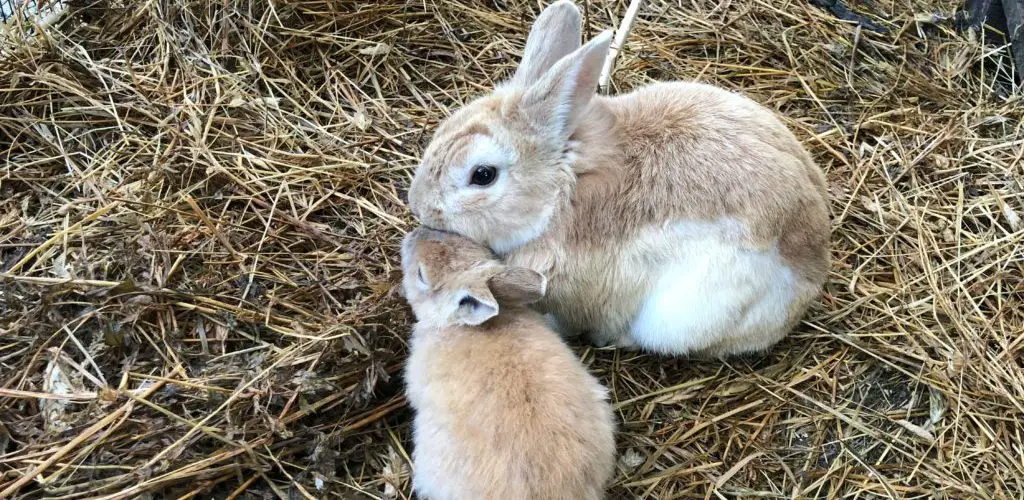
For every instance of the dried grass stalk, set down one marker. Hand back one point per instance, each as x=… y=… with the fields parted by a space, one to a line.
x=202 y=201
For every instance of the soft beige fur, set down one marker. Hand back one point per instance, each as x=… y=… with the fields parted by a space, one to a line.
x=638 y=208
x=504 y=410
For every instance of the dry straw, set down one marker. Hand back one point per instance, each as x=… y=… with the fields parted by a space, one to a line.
x=201 y=203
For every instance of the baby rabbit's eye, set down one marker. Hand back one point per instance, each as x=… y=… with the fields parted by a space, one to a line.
x=419 y=275
x=483 y=175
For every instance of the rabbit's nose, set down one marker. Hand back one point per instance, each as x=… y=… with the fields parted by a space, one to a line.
x=411 y=203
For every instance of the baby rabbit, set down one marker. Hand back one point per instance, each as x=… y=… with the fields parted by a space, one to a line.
x=679 y=218
x=504 y=410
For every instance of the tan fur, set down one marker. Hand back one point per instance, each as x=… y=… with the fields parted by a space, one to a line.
x=504 y=410
x=635 y=163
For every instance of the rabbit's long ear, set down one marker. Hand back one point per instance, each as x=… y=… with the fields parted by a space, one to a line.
x=479 y=300
x=560 y=98
x=474 y=305
x=555 y=33
x=517 y=286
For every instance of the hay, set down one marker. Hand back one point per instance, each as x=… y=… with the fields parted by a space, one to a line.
x=201 y=203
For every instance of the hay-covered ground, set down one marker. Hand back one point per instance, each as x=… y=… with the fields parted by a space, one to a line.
x=200 y=204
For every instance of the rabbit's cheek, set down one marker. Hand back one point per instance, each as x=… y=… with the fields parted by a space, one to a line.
x=477 y=201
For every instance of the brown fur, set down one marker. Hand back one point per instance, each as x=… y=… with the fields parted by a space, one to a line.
x=663 y=153
x=504 y=410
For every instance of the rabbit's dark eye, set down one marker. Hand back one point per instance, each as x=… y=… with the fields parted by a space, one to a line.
x=483 y=175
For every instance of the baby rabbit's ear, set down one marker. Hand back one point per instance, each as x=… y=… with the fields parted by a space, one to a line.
x=554 y=34
x=517 y=286
x=476 y=304
x=560 y=98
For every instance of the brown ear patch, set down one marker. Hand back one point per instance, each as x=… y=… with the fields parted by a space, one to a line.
x=517 y=285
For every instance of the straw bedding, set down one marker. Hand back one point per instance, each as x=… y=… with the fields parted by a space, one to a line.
x=200 y=205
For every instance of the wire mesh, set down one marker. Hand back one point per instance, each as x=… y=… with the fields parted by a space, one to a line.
x=28 y=8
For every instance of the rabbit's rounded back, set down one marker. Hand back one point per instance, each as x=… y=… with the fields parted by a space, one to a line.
x=507 y=413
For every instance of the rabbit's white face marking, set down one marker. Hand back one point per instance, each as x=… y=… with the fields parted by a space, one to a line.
x=472 y=204
x=464 y=196
x=484 y=151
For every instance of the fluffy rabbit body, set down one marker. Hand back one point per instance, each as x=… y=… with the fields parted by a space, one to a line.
x=680 y=218
x=504 y=409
